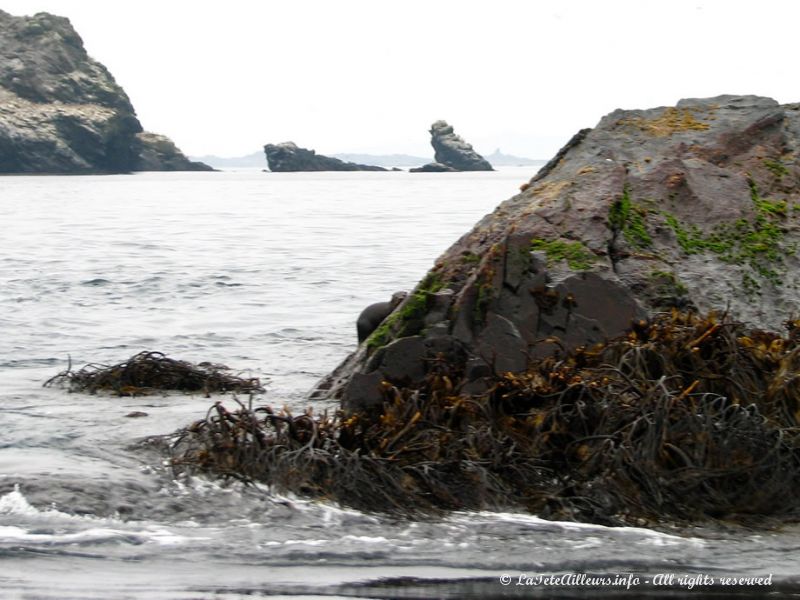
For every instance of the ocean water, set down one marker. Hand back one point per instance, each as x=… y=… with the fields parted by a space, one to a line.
x=265 y=273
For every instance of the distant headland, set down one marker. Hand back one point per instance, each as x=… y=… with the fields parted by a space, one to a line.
x=62 y=112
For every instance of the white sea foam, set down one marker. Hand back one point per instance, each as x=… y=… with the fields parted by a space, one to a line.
x=76 y=529
x=14 y=503
x=656 y=537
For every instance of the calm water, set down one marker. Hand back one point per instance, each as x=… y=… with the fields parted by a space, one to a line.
x=265 y=273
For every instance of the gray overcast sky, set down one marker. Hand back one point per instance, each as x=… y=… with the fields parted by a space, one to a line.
x=226 y=77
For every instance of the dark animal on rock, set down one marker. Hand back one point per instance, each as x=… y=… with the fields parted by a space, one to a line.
x=374 y=314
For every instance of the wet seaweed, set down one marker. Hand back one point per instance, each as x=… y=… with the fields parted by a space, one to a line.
x=150 y=372
x=686 y=419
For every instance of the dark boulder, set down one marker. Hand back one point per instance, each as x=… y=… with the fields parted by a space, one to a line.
x=696 y=205
x=452 y=153
x=61 y=111
x=289 y=157
x=434 y=167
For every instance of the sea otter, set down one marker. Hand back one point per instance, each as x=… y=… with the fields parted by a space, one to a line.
x=374 y=314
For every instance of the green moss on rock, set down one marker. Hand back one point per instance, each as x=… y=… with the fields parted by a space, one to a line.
x=758 y=242
x=408 y=319
x=667 y=282
x=578 y=256
x=630 y=219
x=777 y=168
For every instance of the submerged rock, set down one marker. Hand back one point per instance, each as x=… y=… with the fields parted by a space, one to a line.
x=62 y=112
x=289 y=157
x=692 y=206
x=452 y=152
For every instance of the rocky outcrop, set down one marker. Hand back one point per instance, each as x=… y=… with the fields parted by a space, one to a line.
x=289 y=157
x=691 y=206
x=159 y=153
x=62 y=112
x=452 y=152
x=434 y=167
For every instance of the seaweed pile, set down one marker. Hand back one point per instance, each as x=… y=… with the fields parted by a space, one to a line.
x=148 y=372
x=686 y=418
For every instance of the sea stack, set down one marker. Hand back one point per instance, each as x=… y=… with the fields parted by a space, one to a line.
x=62 y=112
x=289 y=157
x=690 y=206
x=452 y=153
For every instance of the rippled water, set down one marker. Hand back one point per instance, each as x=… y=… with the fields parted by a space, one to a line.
x=266 y=273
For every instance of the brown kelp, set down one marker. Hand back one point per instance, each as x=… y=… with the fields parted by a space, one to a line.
x=687 y=418
x=149 y=372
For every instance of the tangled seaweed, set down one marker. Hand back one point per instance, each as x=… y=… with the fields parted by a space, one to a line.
x=687 y=418
x=148 y=372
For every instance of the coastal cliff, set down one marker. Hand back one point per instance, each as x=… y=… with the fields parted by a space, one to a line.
x=62 y=112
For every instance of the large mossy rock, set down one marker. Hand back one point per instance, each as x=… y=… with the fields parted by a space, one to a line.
x=691 y=206
x=62 y=112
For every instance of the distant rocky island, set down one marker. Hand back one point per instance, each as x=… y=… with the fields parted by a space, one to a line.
x=289 y=157
x=452 y=153
x=62 y=112
x=256 y=160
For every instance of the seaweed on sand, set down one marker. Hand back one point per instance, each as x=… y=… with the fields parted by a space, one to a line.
x=148 y=372
x=685 y=419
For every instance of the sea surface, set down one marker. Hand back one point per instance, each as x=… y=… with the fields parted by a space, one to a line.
x=264 y=272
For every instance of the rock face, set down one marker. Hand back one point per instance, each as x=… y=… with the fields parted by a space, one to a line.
x=452 y=152
x=289 y=157
x=159 y=153
x=691 y=206
x=62 y=112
